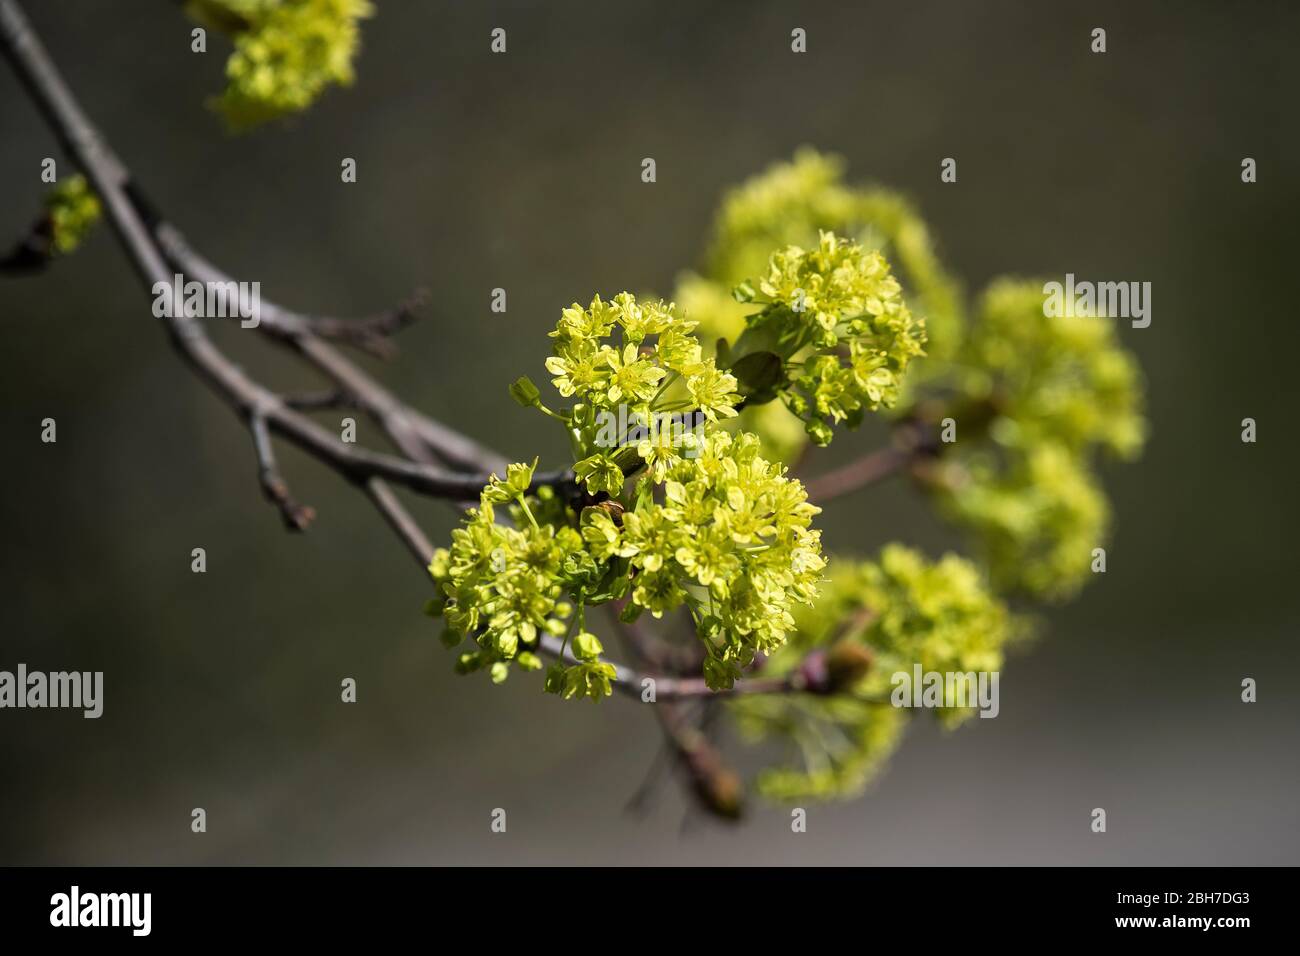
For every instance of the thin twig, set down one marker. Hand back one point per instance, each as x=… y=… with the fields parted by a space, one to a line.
x=859 y=473
x=372 y=334
x=408 y=428
x=400 y=520
x=716 y=786
x=912 y=442
x=109 y=177
x=296 y=517
x=325 y=398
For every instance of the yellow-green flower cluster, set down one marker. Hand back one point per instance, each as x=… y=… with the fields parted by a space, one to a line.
x=791 y=203
x=504 y=586
x=939 y=614
x=286 y=52
x=710 y=524
x=499 y=583
x=1060 y=378
x=73 y=209
x=590 y=367
x=627 y=364
x=836 y=315
x=732 y=538
x=1036 y=515
x=1060 y=388
x=821 y=289
x=902 y=610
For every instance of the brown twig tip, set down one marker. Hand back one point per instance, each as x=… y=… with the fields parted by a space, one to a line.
x=719 y=789
x=374 y=333
x=831 y=670
x=296 y=517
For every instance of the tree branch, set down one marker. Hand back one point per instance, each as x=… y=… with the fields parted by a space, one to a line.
x=108 y=177
x=325 y=398
x=408 y=428
x=859 y=473
x=296 y=517
x=156 y=250
x=911 y=442
x=715 y=785
x=400 y=520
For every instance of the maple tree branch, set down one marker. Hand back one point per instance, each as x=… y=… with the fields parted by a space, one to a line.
x=296 y=517
x=433 y=458
x=912 y=442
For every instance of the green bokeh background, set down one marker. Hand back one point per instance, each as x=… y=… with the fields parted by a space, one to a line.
x=522 y=171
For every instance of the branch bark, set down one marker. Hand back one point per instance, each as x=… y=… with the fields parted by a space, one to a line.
x=911 y=442
x=111 y=182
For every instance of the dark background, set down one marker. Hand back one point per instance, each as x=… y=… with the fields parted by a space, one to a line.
x=522 y=171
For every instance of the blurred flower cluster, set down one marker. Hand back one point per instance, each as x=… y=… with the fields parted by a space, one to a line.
x=817 y=302
x=889 y=614
x=287 y=52
x=1059 y=391
x=73 y=209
